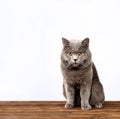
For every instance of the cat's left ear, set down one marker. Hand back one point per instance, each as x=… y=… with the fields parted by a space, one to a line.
x=85 y=42
x=65 y=42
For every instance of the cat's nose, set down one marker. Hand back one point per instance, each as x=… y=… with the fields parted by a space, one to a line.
x=75 y=60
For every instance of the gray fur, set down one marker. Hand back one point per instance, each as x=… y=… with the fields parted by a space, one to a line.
x=81 y=85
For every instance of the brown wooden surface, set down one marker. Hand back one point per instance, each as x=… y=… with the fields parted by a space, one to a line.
x=56 y=110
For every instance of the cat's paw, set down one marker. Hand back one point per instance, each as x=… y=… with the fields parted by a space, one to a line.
x=99 y=105
x=86 y=107
x=67 y=105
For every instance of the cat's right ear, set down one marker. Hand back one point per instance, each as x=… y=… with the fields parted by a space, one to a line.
x=65 y=42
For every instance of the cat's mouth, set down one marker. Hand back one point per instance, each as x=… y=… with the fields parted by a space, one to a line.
x=74 y=66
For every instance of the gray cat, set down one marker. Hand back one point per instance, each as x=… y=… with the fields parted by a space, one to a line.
x=81 y=85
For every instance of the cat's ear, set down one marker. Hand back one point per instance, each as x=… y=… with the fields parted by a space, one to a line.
x=85 y=42
x=65 y=42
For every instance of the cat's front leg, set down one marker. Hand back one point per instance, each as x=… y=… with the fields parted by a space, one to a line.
x=70 y=91
x=85 y=95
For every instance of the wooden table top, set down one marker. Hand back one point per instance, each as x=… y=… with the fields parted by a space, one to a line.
x=55 y=110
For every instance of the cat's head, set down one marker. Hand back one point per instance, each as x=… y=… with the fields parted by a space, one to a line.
x=75 y=53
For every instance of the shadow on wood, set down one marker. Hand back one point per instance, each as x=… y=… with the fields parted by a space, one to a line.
x=55 y=110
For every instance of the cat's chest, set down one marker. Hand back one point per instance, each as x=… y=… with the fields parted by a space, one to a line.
x=74 y=77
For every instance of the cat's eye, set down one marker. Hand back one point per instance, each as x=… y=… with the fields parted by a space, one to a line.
x=69 y=53
x=80 y=53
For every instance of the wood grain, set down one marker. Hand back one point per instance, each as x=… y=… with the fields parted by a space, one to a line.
x=55 y=110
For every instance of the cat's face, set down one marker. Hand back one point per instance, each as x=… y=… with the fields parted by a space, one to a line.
x=75 y=53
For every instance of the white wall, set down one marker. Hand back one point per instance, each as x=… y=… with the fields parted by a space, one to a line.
x=30 y=45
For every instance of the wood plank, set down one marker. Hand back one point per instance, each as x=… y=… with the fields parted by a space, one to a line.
x=55 y=110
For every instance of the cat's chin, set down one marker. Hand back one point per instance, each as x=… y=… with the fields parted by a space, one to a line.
x=75 y=65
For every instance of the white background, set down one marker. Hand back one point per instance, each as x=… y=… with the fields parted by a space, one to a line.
x=30 y=45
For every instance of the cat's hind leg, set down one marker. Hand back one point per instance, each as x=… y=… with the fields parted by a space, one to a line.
x=97 y=94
